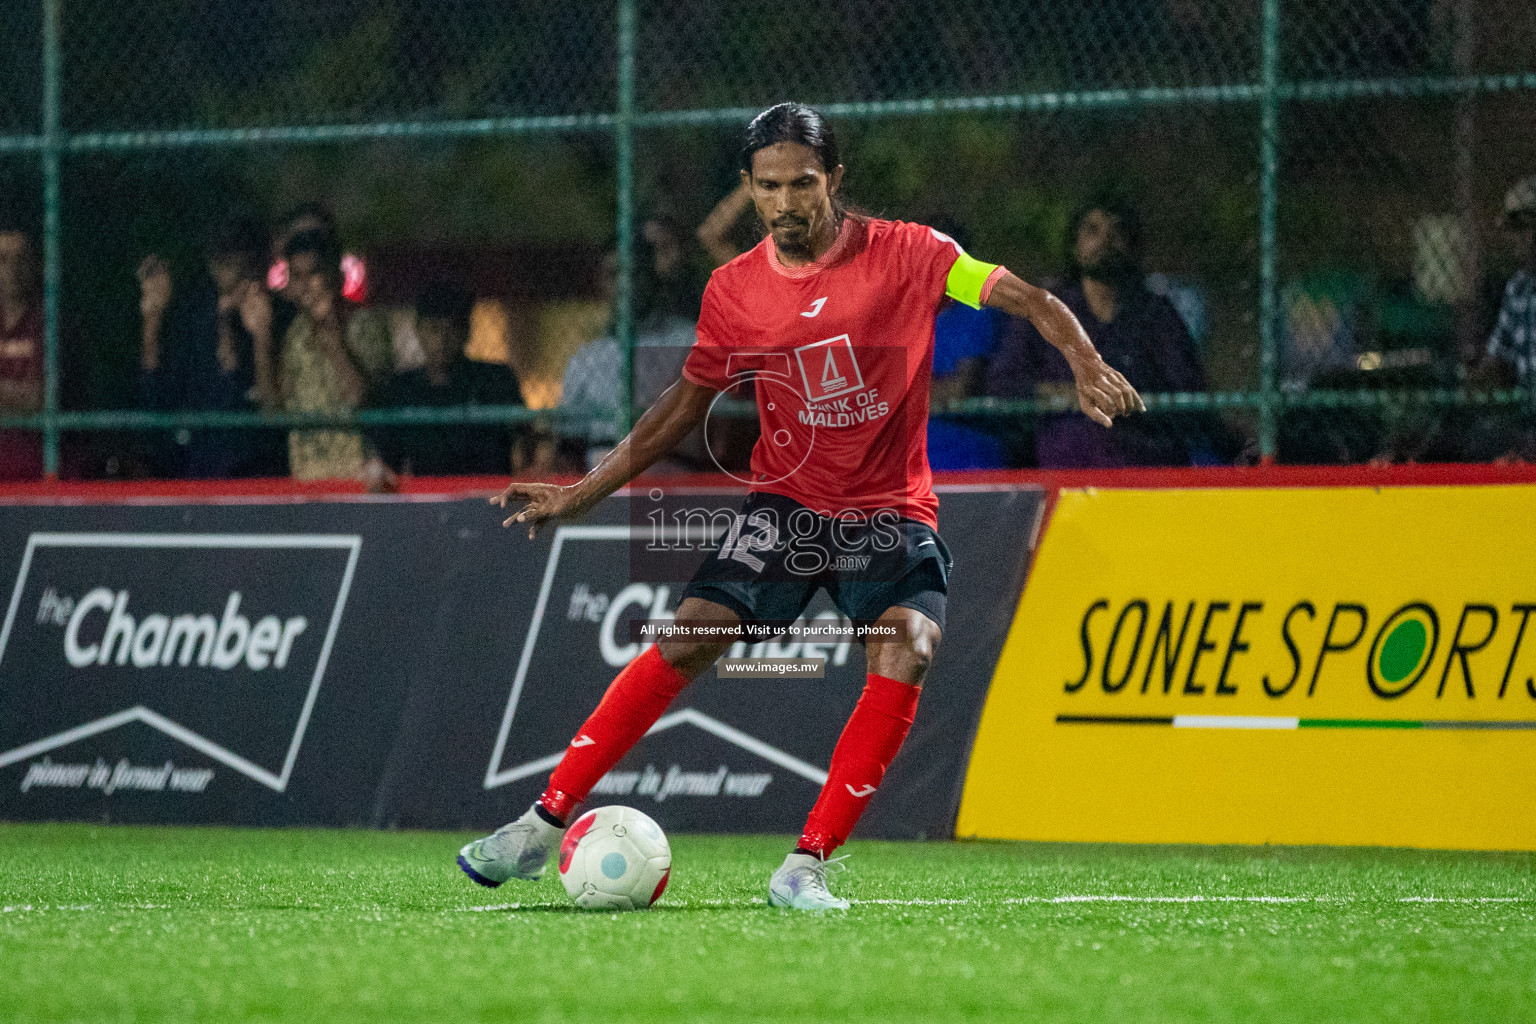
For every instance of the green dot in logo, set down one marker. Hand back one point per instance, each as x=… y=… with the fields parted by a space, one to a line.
x=1402 y=650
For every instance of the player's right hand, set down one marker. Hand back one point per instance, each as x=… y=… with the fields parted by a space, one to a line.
x=1103 y=392
x=545 y=502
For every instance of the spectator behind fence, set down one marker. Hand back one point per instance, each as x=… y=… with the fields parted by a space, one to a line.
x=1138 y=332
x=314 y=216
x=208 y=347
x=590 y=386
x=310 y=215
x=448 y=378
x=21 y=353
x=335 y=358
x=667 y=301
x=1512 y=345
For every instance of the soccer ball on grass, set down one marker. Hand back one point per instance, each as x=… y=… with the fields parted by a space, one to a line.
x=615 y=858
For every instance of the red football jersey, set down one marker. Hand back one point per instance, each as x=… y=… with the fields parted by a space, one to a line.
x=840 y=353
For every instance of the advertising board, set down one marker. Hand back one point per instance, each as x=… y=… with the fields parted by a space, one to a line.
x=1340 y=665
x=409 y=663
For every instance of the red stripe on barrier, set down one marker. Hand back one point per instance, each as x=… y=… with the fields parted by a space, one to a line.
x=444 y=488
x=1428 y=474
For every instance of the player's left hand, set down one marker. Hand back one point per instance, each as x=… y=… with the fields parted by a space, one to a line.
x=544 y=503
x=1103 y=392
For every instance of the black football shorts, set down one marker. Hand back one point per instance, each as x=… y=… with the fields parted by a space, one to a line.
x=778 y=552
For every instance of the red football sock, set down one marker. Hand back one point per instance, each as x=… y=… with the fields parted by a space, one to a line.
x=866 y=748
x=634 y=701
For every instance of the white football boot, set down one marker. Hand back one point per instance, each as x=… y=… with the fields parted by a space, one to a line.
x=519 y=849
x=801 y=883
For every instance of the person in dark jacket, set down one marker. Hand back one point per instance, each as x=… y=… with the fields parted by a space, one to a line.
x=207 y=346
x=1138 y=332
x=449 y=378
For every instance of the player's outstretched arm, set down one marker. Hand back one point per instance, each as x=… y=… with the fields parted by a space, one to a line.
x=1102 y=392
x=681 y=407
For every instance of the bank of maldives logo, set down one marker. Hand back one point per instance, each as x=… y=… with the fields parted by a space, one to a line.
x=219 y=641
x=829 y=369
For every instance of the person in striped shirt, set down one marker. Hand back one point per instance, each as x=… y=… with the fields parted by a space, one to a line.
x=1514 y=336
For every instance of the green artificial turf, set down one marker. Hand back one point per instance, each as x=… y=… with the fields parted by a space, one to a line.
x=223 y=925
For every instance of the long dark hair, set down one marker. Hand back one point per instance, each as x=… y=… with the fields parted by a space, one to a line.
x=797 y=123
x=1116 y=205
x=326 y=249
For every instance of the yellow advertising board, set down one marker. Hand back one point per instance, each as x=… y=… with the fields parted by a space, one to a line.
x=1330 y=665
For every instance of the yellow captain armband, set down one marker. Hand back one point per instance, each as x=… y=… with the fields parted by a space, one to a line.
x=970 y=280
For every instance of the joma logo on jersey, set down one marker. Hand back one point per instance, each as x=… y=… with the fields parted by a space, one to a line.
x=829 y=369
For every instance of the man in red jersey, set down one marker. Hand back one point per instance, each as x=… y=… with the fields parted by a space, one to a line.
x=831 y=318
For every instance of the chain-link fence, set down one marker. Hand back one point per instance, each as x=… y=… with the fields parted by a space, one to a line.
x=1316 y=186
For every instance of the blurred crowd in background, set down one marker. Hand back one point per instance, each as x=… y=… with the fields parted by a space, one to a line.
x=277 y=318
x=1354 y=297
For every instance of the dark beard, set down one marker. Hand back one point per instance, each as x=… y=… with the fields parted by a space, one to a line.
x=798 y=247
x=1112 y=268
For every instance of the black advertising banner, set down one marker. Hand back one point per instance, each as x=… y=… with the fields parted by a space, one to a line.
x=408 y=663
x=203 y=663
x=176 y=646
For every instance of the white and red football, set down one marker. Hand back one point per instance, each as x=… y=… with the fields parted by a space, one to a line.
x=615 y=858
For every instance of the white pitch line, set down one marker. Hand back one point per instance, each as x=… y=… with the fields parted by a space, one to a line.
x=498 y=906
x=42 y=908
x=1110 y=898
x=1038 y=900
x=37 y=908
x=1462 y=899
x=1180 y=899
x=540 y=906
x=1084 y=898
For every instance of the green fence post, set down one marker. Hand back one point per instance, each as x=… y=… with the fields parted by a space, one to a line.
x=52 y=144
x=624 y=138
x=1269 y=171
